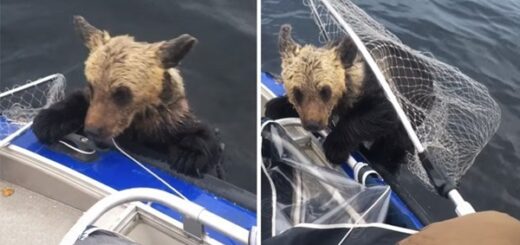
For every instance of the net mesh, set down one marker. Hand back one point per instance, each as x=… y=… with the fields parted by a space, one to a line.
x=19 y=105
x=453 y=115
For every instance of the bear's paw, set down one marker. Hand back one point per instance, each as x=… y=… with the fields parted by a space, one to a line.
x=49 y=126
x=195 y=155
x=336 y=148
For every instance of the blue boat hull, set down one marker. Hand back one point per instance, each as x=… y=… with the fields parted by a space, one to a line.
x=116 y=171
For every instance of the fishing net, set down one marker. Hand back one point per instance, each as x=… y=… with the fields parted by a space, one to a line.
x=453 y=115
x=19 y=106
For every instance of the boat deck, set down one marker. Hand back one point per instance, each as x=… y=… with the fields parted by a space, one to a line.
x=30 y=218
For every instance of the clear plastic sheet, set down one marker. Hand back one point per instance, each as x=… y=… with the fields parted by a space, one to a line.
x=305 y=189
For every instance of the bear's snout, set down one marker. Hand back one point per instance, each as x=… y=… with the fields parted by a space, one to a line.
x=94 y=132
x=313 y=115
x=102 y=121
x=313 y=126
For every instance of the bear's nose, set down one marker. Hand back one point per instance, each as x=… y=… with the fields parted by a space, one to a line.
x=312 y=126
x=94 y=132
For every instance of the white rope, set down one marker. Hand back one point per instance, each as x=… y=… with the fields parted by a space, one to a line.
x=148 y=170
x=77 y=149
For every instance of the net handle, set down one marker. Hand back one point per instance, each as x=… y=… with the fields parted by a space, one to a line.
x=442 y=184
x=31 y=84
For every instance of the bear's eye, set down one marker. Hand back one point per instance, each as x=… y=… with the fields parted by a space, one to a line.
x=122 y=96
x=325 y=93
x=298 y=95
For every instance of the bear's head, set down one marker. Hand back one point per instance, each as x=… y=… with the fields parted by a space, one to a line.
x=126 y=77
x=316 y=79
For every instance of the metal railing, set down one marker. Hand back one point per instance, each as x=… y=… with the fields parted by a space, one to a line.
x=195 y=217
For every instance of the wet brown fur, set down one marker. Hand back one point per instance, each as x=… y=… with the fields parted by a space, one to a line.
x=310 y=68
x=121 y=61
x=356 y=110
x=135 y=91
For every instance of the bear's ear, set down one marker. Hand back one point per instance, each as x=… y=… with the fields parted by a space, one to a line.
x=347 y=51
x=288 y=47
x=173 y=51
x=91 y=36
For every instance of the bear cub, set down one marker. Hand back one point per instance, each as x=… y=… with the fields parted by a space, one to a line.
x=135 y=91
x=333 y=86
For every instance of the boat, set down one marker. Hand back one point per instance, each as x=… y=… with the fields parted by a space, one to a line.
x=56 y=193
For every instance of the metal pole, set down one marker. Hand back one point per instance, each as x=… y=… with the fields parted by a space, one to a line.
x=31 y=84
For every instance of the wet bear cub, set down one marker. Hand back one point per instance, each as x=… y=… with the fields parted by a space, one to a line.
x=135 y=92
x=333 y=83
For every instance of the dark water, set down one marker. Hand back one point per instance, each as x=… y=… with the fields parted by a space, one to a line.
x=37 y=39
x=481 y=38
